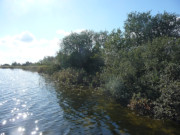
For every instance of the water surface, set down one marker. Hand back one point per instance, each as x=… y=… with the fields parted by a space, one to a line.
x=31 y=104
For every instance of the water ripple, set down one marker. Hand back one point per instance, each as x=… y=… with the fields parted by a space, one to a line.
x=20 y=103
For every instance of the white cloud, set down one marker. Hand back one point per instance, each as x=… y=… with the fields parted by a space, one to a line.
x=66 y=33
x=78 y=30
x=62 y=32
x=25 y=47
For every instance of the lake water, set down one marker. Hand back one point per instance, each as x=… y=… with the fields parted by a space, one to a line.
x=31 y=104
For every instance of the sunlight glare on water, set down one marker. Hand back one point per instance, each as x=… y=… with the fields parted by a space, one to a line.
x=17 y=90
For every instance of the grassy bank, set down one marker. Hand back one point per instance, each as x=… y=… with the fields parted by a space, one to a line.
x=38 y=68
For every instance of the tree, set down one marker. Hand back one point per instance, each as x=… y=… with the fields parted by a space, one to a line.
x=165 y=24
x=138 y=27
x=77 y=42
x=143 y=27
x=14 y=64
x=48 y=60
x=82 y=50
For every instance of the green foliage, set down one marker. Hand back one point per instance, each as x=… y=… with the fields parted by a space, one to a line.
x=82 y=51
x=15 y=64
x=63 y=59
x=49 y=60
x=140 y=64
x=168 y=104
x=42 y=69
x=138 y=27
x=142 y=27
x=165 y=24
x=70 y=76
x=77 y=42
x=27 y=63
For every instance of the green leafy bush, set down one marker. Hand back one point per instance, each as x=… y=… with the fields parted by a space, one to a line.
x=71 y=76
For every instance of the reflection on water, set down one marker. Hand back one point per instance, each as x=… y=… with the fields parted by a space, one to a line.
x=31 y=104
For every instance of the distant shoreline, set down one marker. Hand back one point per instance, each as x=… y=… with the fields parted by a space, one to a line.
x=31 y=68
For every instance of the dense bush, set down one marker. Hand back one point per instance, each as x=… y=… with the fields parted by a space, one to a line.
x=168 y=104
x=144 y=69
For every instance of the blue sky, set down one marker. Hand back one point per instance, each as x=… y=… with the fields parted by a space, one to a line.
x=31 y=29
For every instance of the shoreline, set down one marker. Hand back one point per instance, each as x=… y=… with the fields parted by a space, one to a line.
x=67 y=85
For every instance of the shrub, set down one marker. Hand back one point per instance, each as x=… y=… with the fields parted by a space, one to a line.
x=140 y=104
x=71 y=76
x=168 y=104
x=42 y=69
